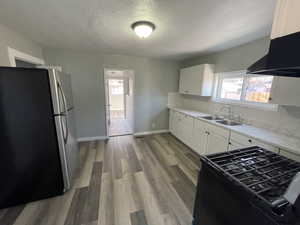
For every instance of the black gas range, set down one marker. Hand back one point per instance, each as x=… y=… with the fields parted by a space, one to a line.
x=246 y=186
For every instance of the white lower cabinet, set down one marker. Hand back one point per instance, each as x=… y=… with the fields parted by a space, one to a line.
x=181 y=126
x=200 y=137
x=187 y=126
x=290 y=155
x=234 y=145
x=216 y=143
x=171 y=123
x=206 y=138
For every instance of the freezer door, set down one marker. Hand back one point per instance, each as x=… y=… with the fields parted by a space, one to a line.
x=65 y=81
x=58 y=97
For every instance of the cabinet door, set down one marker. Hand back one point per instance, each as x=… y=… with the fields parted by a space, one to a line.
x=179 y=126
x=285 y=91
x=187 y=130
x=176 y=124
x=200 y=137
x=171 y=121
x=216 y=143
x=194 y=80
x=286 y=19
x=183 y=81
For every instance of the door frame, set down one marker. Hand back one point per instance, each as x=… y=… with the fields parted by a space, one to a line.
x=14 y=54
x=105 y=78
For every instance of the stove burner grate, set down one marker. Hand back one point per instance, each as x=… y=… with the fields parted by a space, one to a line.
x=263 y=173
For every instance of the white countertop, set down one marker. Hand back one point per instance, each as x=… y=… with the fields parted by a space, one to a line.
x=284 y=142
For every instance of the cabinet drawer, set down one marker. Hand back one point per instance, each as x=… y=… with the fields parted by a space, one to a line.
x=179 y=116
x=290 y=155
x=241 y=139
x=218 y=130
x=199 y=124
x=248 y=141
x=188 y=121
x=266 y=146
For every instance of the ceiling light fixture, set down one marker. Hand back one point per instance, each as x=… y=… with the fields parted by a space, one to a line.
x=143 y=29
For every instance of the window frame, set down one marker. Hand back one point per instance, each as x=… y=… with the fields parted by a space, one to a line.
x=242 y=102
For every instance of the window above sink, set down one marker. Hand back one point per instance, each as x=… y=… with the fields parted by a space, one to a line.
x=240 y=88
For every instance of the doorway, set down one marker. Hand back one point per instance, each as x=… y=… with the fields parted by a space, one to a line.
x=119 y=102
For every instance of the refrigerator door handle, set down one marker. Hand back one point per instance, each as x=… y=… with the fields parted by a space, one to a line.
x=66 y=133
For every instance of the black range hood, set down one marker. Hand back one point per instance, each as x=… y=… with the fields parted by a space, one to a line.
x=283 y=58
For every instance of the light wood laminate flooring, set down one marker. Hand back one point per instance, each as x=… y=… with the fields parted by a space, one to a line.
x=124 y=181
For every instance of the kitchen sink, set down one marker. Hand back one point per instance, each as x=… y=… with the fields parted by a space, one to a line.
x=228 y=123
x=212 y=118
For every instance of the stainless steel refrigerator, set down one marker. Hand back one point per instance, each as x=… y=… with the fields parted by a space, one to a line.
x=39 y=153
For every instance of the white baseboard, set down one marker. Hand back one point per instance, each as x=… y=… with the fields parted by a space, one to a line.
x=97 y=138
x=150 y=132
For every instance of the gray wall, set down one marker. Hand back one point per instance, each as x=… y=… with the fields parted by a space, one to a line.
x=153 y=80
x=17 y=41
x=237 y=58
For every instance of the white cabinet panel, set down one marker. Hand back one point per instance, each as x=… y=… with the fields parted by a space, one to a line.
x=171 y=121
x=197 y=80
x=266 y=146
x=184 y=80
x=200 y=137
x=290 y=155
x=242 y=141
x=216 y=143
x=285 y=91
x=286 y=19
x=234 y=145
x=187 y=125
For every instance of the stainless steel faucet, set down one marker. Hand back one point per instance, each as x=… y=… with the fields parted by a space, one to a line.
x=229 y=111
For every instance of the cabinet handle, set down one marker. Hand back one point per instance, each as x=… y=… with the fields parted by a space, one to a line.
x=270 y=99
x=250 y=140
x=229 y=143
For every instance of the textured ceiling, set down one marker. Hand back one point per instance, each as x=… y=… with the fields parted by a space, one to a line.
x=184 y=28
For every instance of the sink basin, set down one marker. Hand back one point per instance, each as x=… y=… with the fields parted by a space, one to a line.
x=229 y=123
x=212 y=118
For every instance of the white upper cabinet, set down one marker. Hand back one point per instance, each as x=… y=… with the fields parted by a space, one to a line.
x=197 y=80
x=287 y=18
x=285 y=91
